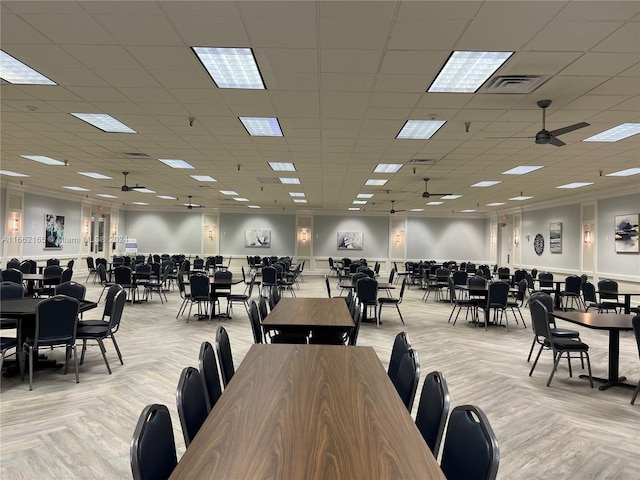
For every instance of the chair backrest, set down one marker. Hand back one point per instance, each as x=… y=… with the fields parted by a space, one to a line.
x=402 y=288
x=519 y=275
x=367 y=289
x=326 y=281
x=543 y=297
x=102 y=273
x=117 y=308
x=10 y=290
x=406 y=378
x=256 y=326
x=225 y=357
x=53 y=261
x=392 y=275
x=433 y=409
x=546 y=279
x=357 y=276
x=90 y=264
x=13 y=263
x=401 y=345
x=262 y=308
x=534 y=273
x=470 y=448
x=498 y=294
x=56 y=321
x=357 y=320
x=12 y=275
x=153 y=446
x=572 y=284
x=460 y=277
x=191 y=401
x=635 y=323
x=209 y=372
x=442 y=274
x=54 y=271
x=71 y=289
x=589 y=292
x=269 y=275
x=522 y=290
x=477 y=281
x=122 y=275
x=25 y=267
x=539 y=318
x=199 y=286
x=608 y=289
x=503 y=273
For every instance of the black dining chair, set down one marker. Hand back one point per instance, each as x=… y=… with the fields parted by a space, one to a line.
x=225 y=357
x=153 y=447
x=433 y=408
x=209 y=372
x=635 y=323
x=191 y=401
x=406 y=378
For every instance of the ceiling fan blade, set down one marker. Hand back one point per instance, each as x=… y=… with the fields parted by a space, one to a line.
x=557 y=142
x=496 y=138
x=570 y=128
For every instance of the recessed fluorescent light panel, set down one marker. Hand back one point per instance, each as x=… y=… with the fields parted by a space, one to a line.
x=575 y=185
x=450 y=197
x=290 y=180
x=486 y=183
x=241 y=199
x=16 y=72
x=374 y=182
x=388 y=167
x=105 y=195
x=175 y=163
x=624 y=173
x=191 y=205
x=262 y=126
x=203 y=178
x=467 y=211
x=104 y=122
x=435 y=203
x=522 y=170
x=253 y=206
x=299 y=200
x=77 y=189
x=231 y=67
x=417 y=210
x=420 y=129
x=465 y=72
x=616 y=133
x=144 y=190
x=520 y=198
x=139 y=203
x=97 y=176
x=43 y=159
x=9 y=173
x=353 y=209
x=359 y=202
x=364 y=195
x=282 y=166
x=166 y=197
x=495 y=204
x=228 y=192
x=296 y=194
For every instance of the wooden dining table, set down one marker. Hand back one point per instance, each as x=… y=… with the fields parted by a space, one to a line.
x=309 y=412
x=614 y=323
x=626 y=295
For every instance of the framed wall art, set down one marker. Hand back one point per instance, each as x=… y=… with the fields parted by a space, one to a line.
x=53 y=230
x=626 y=233
x=350 y=240
x=555 y=237
x=259 y=238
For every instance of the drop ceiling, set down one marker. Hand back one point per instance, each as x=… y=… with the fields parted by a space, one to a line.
x=342 y=78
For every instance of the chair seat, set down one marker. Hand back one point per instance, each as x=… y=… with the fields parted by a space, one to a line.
x=569 y=344
x=7 y=323
x=50 y=341
x=92 y=323
x=388 y=300
x=8 y=342
x=92 y=330
x=238 y=297
x=564 y=333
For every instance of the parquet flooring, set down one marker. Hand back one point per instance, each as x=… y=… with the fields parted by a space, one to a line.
x=82 y=431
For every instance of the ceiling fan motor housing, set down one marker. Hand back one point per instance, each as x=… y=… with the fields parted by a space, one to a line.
x=543 y=137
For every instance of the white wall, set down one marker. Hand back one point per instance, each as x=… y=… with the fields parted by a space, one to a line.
x=447 y=239
x=609 y=263
x=233 y=225
x=163 y=232
x=375 y=236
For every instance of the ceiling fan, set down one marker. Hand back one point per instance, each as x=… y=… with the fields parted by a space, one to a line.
x=190 y=205
x=427 y=193
x=393 y=210
x=544 y=136
x=125 y=187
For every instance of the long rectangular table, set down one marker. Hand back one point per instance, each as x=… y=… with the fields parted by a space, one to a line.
x=309 y=412
x=614 y=323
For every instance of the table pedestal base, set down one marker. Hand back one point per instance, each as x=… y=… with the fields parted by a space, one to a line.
x=606 y=383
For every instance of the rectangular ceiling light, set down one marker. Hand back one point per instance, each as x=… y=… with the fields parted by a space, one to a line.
x=290 y=180
x=486 y=183
x=299 y=200
x=420 y=129
x=375 y=182
x=364 y=195
x=435 y=203
x=229 y=192
x=175 y=163
x=97 y=176
x=241 y=199
x=296 y=194
x=231 y=67
x=522 y=170
x=450 y=197
x=166 y=197
x=254 y=206
x=262 y=126
x=43 y=159
x=520 y=198
x=105 y=195
x=575 y=185
x=495 y=204
x=104 y=122
x=203 y=178
x=9 y=173
x=16 y=72
x=616 y=133
x=77 y=189
x=417 y=210
x=139 y=203
x=624 y=173
x=353 y=209
x=282 y=166
x=465 y=72
x=144 y=190
x=388 y=167
x=467 y=211
x=359 y=202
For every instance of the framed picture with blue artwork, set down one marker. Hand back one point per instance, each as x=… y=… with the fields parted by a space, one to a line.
x=626 y=233
x=53 y=230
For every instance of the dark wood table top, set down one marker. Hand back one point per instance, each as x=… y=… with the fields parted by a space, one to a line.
x=224 y=281
x=39 y=276
x=310 y=312
x=603 y=321
x=27 y=306
x=381 y=285
x=309 y=412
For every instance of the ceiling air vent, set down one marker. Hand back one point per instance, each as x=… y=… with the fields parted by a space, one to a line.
x=422 y=161
x=135 y=155
x=513 y=83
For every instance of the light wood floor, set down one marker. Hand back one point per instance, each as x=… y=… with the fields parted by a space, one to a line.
x=66 y=430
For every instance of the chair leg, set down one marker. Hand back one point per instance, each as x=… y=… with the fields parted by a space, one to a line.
x=75 y=361
x=635 y=394
x=556 y=359
x=535 y=362
x=399 y=313
x=531 y=349
x=84 y=349
x=30 y=368
x=115 y=344
x=104 y=354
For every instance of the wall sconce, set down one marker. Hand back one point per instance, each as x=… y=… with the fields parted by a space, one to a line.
x=210 y=234
x=86 y=229
x=397 y=239
x=493 y=238
x=304 y=235
x=16 y=224
x=516 y=238
x=587 y=237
